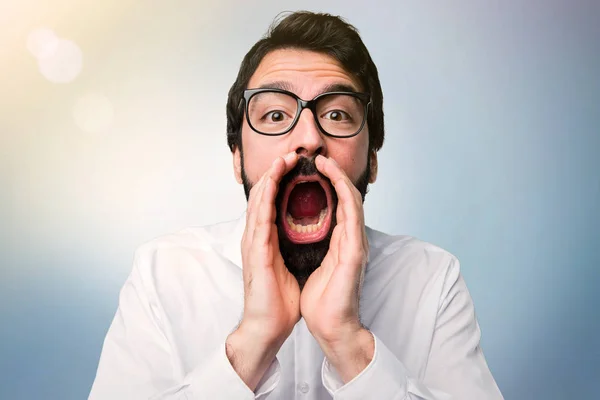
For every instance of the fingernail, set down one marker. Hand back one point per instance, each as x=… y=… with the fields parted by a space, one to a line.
x=286 y=157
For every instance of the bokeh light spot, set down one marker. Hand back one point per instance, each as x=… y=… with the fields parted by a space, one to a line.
x=42 y=43
x=93 y=113
x=64 y=64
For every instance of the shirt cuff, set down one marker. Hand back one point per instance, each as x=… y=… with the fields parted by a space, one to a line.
x=384 y=378
x=269 y=380
x=216 y=379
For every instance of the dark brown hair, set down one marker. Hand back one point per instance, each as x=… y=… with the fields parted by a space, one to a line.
x=323 y=33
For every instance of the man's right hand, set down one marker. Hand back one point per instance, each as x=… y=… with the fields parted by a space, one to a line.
x=271 y=292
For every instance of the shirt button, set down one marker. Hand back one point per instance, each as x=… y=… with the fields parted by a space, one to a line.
x=303 y=387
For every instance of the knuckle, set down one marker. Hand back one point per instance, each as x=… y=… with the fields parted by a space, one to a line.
x=262 y=222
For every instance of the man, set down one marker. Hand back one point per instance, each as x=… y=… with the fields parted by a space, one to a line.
x=298 y=298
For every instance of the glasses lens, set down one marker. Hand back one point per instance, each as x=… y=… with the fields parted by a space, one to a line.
x=340 y=114
x=272 y=112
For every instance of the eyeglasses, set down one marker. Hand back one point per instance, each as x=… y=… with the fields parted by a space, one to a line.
x=275 y=112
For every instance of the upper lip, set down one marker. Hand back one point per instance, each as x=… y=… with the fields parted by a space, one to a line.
x=307 y=178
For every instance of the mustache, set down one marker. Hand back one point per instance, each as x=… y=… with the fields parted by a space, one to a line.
x=306 y=166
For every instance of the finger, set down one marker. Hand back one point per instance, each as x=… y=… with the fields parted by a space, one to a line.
x=279 y=169
x=254 y=195
x=346 y=192
x=248 y=254
x=251 y=212
x=350 y=211
x=272 y=178
x=289 y=160
x=266 y=213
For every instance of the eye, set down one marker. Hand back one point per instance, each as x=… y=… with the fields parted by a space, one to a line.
x=337 y=115
x=275 y=116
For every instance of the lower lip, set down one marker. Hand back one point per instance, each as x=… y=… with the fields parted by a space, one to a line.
x=309 y=237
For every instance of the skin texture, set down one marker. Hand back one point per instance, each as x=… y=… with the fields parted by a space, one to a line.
x=329 y=301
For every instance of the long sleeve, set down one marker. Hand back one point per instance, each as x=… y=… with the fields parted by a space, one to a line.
x=138 y=362
x=456 y=367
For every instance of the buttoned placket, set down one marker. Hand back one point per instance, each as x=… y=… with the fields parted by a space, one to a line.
x=308 y=360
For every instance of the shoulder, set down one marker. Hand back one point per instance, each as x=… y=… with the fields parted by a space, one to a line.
x=209 y=237
x=187 y=253
x=414 y=260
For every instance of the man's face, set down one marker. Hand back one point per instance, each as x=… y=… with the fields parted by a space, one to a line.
x=306 y=201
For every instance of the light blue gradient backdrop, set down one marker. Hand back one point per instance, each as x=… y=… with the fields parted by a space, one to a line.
x=492 y=141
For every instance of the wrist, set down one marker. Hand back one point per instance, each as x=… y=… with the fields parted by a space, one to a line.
x=335 y=335
x=250 y=355
x=260 y=336
x=255 y=345
x=351 y=354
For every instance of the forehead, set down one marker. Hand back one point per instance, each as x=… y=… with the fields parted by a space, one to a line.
x=306 y=73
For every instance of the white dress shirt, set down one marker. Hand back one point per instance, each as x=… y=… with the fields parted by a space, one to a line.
x=185 y=296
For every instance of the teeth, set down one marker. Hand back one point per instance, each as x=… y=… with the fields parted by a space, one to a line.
x=306 y=228
x=322 y=215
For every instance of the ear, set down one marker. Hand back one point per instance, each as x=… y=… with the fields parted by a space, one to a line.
x=237 y=164
x=374 y=164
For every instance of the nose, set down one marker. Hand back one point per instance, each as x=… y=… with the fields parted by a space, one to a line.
x=307 y=139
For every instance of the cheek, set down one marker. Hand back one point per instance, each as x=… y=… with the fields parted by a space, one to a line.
x=357 y=166
x=352 y=158
x=258 y=154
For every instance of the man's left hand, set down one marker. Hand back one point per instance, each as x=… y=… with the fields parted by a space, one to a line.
x=329 y=301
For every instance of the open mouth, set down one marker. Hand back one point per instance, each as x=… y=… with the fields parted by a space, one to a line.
x=306 y=209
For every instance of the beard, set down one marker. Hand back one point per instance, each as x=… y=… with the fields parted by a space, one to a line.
x=302 y=260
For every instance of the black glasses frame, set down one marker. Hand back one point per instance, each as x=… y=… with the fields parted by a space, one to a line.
x=365 y=98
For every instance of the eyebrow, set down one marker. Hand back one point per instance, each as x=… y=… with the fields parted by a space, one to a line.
x=282 y=85
x=333 y=87
x=339 y=87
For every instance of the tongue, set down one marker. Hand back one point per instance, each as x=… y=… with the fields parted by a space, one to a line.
x=306 y=200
